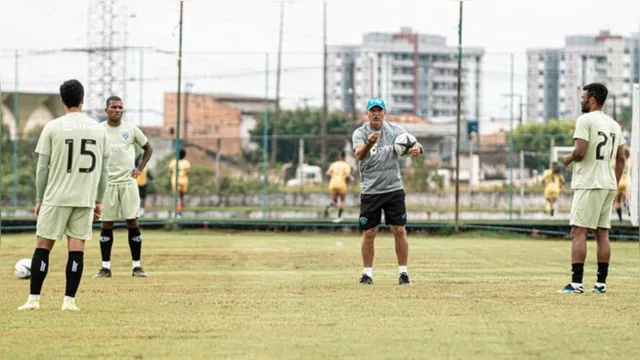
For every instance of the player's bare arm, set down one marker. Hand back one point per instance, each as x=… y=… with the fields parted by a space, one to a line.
x=148 y=150
x=578 y=152
x=620 y=161
x=363 y=149
x=42 y=175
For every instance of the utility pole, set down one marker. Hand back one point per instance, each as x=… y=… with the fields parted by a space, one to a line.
x=16 y=126
x=187 y=92
x=177 y=149
x=141 y=93
x=353 y=91
x=511 y=145
x=323 y=129
x=458 y=120
x=276 y=117
x=615 y=107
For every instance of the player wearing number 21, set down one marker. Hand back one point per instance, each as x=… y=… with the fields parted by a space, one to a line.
x=599 y=149
x=71 y=178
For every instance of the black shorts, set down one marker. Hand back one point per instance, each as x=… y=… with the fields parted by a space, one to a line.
x=372 y=206
x=142 y=191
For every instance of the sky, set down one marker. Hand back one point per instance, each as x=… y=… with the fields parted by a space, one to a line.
x=225 y=42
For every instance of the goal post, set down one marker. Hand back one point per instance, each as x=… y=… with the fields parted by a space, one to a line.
x=635 y=155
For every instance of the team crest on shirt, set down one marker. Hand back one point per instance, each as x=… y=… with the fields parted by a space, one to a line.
x=390 y=136
x=125 y=135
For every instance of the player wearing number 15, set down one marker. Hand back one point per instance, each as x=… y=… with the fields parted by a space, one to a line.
x=71 y=179
x=598 y=145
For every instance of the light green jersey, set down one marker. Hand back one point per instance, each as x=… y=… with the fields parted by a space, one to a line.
x=595 y=170
x=122 y=140
x=77 y=147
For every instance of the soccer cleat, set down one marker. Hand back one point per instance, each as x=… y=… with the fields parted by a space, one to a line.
x=366 y=280
x=569 y=289
x=598 y=289
x=403 y=279
x=31 y=304
x=69 y=305
x=137 y=271
x=337 y=220
x=103 y=273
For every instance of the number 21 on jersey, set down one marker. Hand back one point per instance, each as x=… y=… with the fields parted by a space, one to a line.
x=600 y=149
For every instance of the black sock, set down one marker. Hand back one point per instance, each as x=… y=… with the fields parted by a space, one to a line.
x=577 y=270
x=75 y=264
x=603 y=271
x=340 y=213
x=619 y=211
x=39 y=269
x=135 y=243
x=552 y=211
x=106 y=243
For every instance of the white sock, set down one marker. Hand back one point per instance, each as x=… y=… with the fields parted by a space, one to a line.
x=68 y=298
x=402 y=269
x=368 y=272
x=576 y=285
x=34 y=297
x=136 y=264
x=601 y=284
x=106 y=264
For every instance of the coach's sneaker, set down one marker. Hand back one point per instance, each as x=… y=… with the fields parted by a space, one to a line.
x=31 y=304
x=137 y=271
x=570 y=289
x=403 y=279
x=69 y=304
x=366 y=280
x=103 y=273
x=599 y=289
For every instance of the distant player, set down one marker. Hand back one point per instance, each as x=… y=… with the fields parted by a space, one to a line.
x=553 y=182
x=599 y=144
x=143 y=182
x=382 y=189
x=622 y=196
x=183 y=178
x=71 y=179
x=338 y=172
x=121 y=200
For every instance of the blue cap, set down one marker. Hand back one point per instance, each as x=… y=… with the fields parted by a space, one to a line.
x=376 y=101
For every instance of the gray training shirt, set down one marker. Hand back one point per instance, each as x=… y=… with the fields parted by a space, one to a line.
x=379 y=171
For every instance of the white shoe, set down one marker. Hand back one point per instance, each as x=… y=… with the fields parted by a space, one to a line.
x=31 y=304
x=338 y=220
x=69 y=305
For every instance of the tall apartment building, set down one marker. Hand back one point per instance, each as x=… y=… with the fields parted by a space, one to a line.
x=414 y=73
x=555 y=77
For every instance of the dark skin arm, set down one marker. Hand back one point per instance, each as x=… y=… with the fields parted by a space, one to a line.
x=148 y=150
x=578 y=152
x=620 y=160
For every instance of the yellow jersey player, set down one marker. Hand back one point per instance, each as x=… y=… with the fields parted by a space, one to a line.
x=622 y=196
x=553 y=181
x=183 y=178
x=121 y=200
x=338 y=173
x=143 y=182
x=598 y=145
x=71 y=178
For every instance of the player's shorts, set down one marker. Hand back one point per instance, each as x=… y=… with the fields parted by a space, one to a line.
x=551 y=192
x=54 y=222
x=338 y=189
x=372 y=206
x=591 y=208
x=182 y=185
x=121 y=201
x=142 y=191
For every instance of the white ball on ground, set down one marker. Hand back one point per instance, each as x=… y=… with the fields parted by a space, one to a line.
x=403 y=143
x=23 y=269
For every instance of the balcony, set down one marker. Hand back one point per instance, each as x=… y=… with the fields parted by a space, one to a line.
x=402 y=77
x=402 y=91
x=406 y=63
x=445 y=64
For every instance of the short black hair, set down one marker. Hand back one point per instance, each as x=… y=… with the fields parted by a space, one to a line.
x=183 y=154
x=343 y=153
x=598 y=91
x=112 y=98
x=72 y=93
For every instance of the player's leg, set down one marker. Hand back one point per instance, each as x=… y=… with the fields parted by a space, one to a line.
x=370 y=216
x=342 y=197
x=583 y=218
x=333 y=194
x=110 y=210
x=142 y=192
x=130 y=203
x=181 y=191
x=602 y=241
x=395 y=214
x=554 y=205
x=618 y=204
x=49 y=228
x=78 y=230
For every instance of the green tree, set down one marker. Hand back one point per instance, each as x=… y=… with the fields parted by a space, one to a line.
x=624 y=117
x=535 y=139
x=27 y=162
x=302 y=121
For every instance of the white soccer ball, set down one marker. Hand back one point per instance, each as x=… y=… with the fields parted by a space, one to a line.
x=403 y=143
x=23 y=269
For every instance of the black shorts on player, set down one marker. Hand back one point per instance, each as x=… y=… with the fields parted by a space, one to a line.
x=372 y=206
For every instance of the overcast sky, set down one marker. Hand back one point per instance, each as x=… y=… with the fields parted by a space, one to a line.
x=243 y=30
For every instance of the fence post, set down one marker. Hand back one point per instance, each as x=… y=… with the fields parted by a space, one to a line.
x=218 y=150
x=300 y=163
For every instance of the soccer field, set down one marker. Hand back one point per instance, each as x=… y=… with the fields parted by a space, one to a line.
x=275 y=296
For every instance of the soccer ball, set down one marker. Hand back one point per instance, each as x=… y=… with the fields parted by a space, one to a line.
x=23 y=269
x=403 y=143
